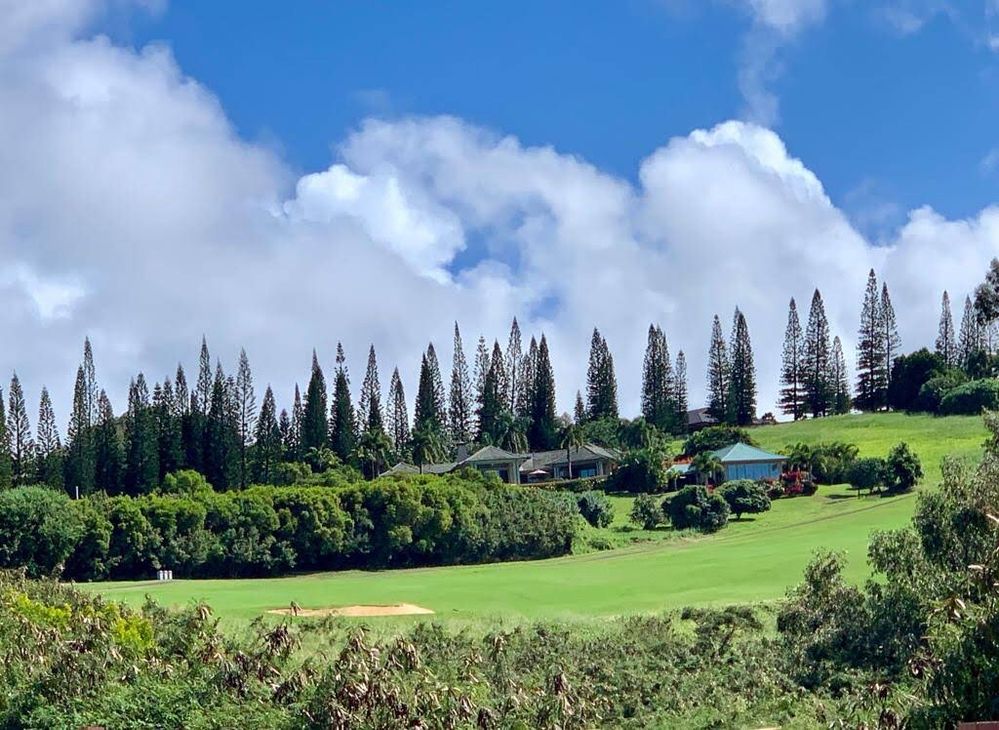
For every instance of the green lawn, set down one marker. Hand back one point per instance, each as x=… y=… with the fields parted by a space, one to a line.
x=750 y=561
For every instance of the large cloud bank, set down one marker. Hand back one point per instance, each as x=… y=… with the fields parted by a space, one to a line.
x=131 y=211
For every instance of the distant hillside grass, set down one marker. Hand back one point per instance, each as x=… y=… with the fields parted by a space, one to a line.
x=932 y=437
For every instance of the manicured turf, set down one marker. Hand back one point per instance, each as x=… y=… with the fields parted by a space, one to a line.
x=750 y=561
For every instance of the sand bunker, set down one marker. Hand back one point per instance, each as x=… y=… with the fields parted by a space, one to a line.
x=400 y=609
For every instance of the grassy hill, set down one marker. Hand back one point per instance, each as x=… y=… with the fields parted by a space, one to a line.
x=750 y=561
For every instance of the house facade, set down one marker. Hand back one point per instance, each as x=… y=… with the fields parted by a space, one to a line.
x=588 y=460
x=741 y=461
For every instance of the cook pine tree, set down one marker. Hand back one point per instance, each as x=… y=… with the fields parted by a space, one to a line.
x=792 y=392
x=343 y=419
x=946 y=344
x=839 y=378
x=891 y=341
x=601 y=383
x=741 y=403
x=397 y=416
x=817 y=385
x=369 y=411
x=871 y=375
x=719 y=371
x=461 y=408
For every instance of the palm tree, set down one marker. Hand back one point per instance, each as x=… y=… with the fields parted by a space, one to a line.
x=570 y=438
x=321 y=458
x=427 y=445
x=707 y=465
x=373 y=447
x=510 y=432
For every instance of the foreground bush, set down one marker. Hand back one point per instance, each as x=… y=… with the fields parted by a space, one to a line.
x=69 y=660
x=196 y=532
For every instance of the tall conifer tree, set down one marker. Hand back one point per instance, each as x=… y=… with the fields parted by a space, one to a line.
x=839 y=379
x=343 y=420
x=871 y=375
x=512 y=366
x=81 y=458
x=370 y=410
x=142 y=462
x=461 y=408
x=398 y=415
x=680 y=400
x=246 y=416
x=297 y=420
x=494 y=398
x=601 y=383
x=742 y=380
x=891 y=342
x=970 y=338
x=48 y=454
x=267 y=446
x=314 y=426
x=658 y=386
x=22 y=447
x=579 y=411
x=792 y=396
x=429 y=413
x=528 y=375
x=946 y=345
x=6 y=470
x=109 y=451
x=719 y=371
x=168 y=430
x=818 y=389
x=543 y=431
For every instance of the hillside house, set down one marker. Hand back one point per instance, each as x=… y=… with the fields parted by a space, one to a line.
x=588 y=460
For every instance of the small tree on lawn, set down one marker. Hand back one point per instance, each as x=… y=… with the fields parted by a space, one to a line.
x=868 y=473
x=744 y=496
x=646 y=512
x=903 y=469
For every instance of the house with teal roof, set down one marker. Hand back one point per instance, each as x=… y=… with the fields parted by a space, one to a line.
x=742 y=461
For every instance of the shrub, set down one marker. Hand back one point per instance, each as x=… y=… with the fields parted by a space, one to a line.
x=646 y=512
x=39 y=529
x=693 y=508
x=714 y=438
x=595 y=508
x=933 y=390
x=867 y=473
x=903 y=469
x=745 y=496
x=971 y=398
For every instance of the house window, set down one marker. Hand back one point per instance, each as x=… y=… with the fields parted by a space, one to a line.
x=586 y=471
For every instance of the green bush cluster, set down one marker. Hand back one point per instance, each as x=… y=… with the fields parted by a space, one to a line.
x=716 y=437
x=744 y=496
x=971 y=398
x=194 y=531
x=595 y=508
x=695 y=509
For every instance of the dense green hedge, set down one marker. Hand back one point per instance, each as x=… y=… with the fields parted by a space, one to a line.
x=196 y=532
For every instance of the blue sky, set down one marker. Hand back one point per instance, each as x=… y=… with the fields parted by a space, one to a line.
x=888 y=119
